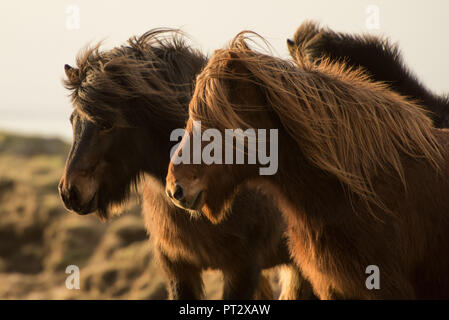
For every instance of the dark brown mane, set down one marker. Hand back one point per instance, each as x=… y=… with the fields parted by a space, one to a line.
x=143 y=89
x=346 y=148
x=120 y=86
x=344 y=124
x=378 y=56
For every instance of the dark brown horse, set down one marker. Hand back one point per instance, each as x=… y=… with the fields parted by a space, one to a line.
x=127 y=101
x=363 y=176
x=380 y=58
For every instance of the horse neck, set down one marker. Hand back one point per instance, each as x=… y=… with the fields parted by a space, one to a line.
x=318 y=196
x=304 y=188
x=156 y=159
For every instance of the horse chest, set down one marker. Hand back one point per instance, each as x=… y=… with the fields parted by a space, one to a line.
x=310 y=250
x=182 y=238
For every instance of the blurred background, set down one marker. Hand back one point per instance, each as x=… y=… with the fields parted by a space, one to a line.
x=38 y=238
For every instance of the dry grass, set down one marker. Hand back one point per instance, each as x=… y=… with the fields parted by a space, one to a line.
x=39 y=238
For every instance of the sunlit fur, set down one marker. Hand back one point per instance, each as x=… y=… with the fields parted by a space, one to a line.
x=105 y=83
x=363 y=176
x=378 y=56
x=129 y=100
x=344 y=124
x=123 y=90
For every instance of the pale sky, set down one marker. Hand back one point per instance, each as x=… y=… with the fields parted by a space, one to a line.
x=36 y=42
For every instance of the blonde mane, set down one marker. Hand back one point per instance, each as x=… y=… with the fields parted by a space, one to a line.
x=343 y=123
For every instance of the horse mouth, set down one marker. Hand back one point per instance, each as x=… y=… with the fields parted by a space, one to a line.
x=90 y=207
x=198 y=202
x=194 y=205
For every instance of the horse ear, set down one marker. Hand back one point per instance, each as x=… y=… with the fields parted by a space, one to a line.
x=70 y=72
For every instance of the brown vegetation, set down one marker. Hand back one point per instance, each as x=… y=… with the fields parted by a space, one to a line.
x=39 y=238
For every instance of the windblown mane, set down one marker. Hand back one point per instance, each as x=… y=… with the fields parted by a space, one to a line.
x=150 y=78
x=378 y=56
x=343 y=123
x=309 y=38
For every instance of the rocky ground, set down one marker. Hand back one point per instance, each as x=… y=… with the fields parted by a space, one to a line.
x=39 y=238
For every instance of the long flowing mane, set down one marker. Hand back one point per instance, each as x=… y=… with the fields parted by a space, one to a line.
x=343 y=123
x=377 y=55
x=150 y=77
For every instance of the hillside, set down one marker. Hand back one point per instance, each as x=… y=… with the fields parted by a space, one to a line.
x=39 y=238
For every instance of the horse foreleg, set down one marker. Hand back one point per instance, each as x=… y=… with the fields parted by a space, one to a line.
x=184 y=279
x=293 y=284
x=241 y=284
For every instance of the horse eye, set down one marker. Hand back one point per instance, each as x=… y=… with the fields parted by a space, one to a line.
x=105 y=126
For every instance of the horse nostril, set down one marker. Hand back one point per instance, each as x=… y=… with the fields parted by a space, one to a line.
x=179 y=192
x=74 y=195
x=66 y=198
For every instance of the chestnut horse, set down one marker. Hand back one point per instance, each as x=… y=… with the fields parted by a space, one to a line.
x=379 y=58
x=363 y=176
x=127 y=101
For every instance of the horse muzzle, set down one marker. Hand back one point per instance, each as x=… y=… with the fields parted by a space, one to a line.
x=183 y=198
x=76 y=201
